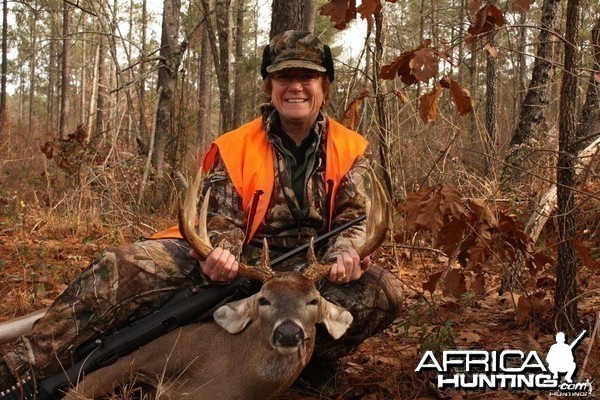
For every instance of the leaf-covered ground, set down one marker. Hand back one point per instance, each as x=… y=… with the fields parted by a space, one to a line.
x=35 y=267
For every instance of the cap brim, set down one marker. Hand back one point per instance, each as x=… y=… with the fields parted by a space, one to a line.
x=288 y=64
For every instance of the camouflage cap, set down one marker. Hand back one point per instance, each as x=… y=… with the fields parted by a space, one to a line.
x=296 y=49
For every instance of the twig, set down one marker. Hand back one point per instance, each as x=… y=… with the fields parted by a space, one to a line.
x=589 y=350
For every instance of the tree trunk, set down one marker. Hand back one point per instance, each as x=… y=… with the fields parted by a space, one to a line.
x=546 y=205
x=170 y=53
x=223 y=14
x=102 y=79
x=221 y=60
x=3 y=105
x=142 y=138
x=589 y=124
x=238 y=96
x=380 y=103
x=532 y=118
x=204 y=74
x=32 y=71
x=565 y=300
x=491 y=112
x=292 y=14
x=65 y=74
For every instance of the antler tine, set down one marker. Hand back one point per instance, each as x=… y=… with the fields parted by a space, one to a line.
x=378 y=223
x=262 y=271
x=379 y=218
x=199 y=241
x=186 y=217
x=315 y=270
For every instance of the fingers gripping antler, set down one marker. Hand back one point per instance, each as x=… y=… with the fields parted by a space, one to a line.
x=378 y=223
x=199 y=241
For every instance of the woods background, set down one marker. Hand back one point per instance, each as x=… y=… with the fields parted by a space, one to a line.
x=484 y=118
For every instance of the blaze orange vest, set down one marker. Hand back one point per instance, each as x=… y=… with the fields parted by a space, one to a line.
x=248 y=157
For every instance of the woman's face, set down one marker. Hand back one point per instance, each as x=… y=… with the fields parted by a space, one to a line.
x=298 y=95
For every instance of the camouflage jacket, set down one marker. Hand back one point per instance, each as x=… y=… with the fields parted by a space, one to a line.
x=287 y=223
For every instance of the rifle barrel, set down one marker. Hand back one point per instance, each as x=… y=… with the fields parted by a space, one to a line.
x=318 y=239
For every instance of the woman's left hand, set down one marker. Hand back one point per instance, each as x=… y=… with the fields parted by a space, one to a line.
x=348 y=267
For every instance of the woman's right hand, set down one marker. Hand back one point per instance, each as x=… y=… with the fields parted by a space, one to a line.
x=219 y=266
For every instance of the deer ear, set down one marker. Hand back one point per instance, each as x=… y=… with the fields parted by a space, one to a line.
x=335 y=318
x=235 y=316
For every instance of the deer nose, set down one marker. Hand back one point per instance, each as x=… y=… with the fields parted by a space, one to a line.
x=288 y=334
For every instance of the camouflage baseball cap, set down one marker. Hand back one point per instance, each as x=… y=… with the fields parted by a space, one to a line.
x=296 y=49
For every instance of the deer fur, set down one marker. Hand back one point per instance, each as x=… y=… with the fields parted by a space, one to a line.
x=202 y=361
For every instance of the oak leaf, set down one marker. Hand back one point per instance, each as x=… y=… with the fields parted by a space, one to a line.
x=454 y=283
x=428 y=104
x=399 y=67
x=424 y=64
x=340 y=12
x=460 y=96
x=486 y=19
x=369 y=7
x=432 y=282
x=351 y=114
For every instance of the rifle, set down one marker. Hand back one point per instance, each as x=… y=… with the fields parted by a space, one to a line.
x=181 y=309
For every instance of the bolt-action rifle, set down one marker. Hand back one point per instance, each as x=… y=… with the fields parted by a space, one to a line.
x=182 y=308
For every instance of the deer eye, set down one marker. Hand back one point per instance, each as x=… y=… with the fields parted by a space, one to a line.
x=313 y=302
x=263 y=302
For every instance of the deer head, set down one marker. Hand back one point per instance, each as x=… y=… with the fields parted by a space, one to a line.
x=288 y=305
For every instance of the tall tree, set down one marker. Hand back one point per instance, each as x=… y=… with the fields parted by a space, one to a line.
x=65 y=73
x=238 y=96
x=566 y=275
x=204 y=85
x=491 y=109
x=3 y=104
x=221 y=54
x=292 y=14
x=171 y=52
x=532 y=118
x=589 y=126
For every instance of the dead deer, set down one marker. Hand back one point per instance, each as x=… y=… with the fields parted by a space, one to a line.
x=270 y=335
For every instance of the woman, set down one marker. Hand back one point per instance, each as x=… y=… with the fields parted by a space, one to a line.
x=290 y=175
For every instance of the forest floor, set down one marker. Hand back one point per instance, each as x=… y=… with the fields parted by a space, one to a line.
x=34 y=268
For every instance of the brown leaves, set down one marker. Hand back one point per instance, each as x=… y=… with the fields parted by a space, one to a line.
x=340 y=12
x=420 y=64
x=460 y=96
x=428 y=104
x=67 y=153
x=351 y=116
x=469 y=231
x=487 y=19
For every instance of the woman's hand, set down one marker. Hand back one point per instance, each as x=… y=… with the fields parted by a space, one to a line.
x=349 y=267
x=219 y=266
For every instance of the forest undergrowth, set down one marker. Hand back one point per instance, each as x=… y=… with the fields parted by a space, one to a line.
x=450 y=253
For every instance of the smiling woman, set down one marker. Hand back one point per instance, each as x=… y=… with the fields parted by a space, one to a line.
x=288 y=176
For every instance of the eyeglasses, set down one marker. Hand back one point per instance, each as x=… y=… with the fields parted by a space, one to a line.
x=286 y=78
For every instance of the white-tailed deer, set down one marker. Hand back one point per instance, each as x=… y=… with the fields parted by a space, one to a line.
x=269 y=336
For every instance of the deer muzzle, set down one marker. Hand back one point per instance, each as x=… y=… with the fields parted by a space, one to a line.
x=288 y=334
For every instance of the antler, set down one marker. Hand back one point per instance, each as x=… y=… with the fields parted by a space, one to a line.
x=378 y=223
x=199 y=241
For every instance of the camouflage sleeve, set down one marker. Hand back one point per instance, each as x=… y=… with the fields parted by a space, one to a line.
x=350 y=203
x=226 y=219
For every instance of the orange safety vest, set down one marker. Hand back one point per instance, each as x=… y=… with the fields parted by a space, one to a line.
x=248 y=157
